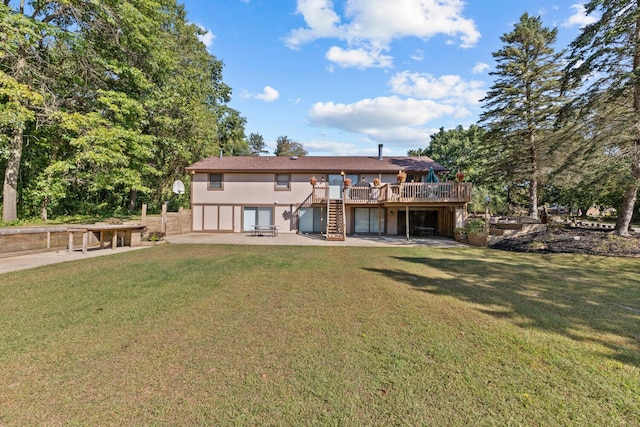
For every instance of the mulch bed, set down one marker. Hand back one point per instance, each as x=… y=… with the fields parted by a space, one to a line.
x=574 y=240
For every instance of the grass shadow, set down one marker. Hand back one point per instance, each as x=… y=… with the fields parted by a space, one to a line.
x=585 y=298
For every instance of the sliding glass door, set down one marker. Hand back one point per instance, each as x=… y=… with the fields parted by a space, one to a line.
x=256 y=216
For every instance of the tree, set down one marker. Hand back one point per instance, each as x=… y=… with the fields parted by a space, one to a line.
x=458 y=150
x=604 y=71
x=102 y=102
x=22 y=57
x=521 y=106
x=257 y=144
x=287 y=147
x=231 y=133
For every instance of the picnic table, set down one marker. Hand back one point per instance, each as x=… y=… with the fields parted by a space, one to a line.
x=261 y=230
x=100 y=230
x=429 y=231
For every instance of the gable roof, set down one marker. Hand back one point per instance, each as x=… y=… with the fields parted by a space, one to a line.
x=325 y=164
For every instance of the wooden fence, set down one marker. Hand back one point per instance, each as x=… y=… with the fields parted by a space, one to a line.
x=14 y=240
x=168 y=223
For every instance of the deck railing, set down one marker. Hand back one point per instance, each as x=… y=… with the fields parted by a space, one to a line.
x=411 y=192
x=416 y=192
x=320 y=193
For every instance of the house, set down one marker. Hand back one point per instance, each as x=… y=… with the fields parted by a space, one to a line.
x=349 y=195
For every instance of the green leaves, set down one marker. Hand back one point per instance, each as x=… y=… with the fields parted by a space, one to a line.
x=604 y=72
x=288 y=147
x=120 y=96
x=521 y=107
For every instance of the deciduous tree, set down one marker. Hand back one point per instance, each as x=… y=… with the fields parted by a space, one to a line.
x=257 y=144
x=288 y=147
x=457 y=149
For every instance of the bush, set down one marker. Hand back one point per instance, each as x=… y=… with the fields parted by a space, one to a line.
x=475 y=225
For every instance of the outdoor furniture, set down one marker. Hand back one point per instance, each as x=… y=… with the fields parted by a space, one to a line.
x=261 y=230
x=428 y=231
x=98 y=228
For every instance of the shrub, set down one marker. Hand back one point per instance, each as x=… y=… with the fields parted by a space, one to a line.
x=475 y=225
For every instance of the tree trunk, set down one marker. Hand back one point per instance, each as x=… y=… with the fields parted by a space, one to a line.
x=626 y=210
x=10 y=189
x=133 y=197
x=533 y=199
x=533 y=184
x=583 y=211
x=630 y=195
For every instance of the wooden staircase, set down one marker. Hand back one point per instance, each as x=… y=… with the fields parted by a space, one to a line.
x=335 y=220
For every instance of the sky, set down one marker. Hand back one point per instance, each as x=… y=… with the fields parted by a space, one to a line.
x=343 y=76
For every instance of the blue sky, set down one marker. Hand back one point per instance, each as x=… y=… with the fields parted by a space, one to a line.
x=343 y=76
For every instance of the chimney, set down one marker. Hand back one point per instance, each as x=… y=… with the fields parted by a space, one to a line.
x=379 y=151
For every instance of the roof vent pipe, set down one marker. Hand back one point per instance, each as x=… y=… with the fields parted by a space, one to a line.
x=379 y=151
x=220 y=153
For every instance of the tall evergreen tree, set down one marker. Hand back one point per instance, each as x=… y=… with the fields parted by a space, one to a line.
x=604 y=71
x=521 y=106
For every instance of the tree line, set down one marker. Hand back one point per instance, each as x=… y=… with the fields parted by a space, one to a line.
x=558 y=126
x=103 y=104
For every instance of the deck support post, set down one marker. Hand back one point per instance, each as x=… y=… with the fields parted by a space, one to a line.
x=406 y=220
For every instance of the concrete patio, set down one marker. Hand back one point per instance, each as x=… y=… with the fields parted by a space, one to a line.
x=18 y=262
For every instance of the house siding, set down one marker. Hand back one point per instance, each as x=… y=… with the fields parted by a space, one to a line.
x=251 y=182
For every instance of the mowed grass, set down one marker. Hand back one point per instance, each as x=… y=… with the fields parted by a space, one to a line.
x=235 y=335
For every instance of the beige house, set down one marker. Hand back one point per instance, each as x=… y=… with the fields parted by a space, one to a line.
x=331 y=196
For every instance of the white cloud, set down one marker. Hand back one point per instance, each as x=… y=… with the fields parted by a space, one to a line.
x=371 y=25
x=390 y=120
x=418 y=55
x=450 y=89
x=321 y=19
x=579 y=17
x=268 y=94
x=332 y=148
x=370 y=115
x=404 y=119
x=359 y=58
x=480 y=68
x=402 y=136
x=207 y=38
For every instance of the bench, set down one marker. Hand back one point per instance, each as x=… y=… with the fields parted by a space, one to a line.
x=261 y=230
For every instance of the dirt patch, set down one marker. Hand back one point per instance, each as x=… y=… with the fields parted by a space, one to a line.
x=574 y=240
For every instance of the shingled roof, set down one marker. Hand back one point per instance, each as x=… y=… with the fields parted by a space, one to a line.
x=326 y=164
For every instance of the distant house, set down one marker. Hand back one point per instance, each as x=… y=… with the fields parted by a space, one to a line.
x=311 y=194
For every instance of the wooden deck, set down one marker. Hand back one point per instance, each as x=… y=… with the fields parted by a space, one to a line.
x=405 y=193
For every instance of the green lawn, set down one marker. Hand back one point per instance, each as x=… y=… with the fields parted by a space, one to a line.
x=235 y=335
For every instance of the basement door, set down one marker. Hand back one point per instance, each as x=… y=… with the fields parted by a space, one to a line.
x=256 y=216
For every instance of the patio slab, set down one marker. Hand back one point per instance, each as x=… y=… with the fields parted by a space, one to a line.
x=23 y=262
x=292 y=239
